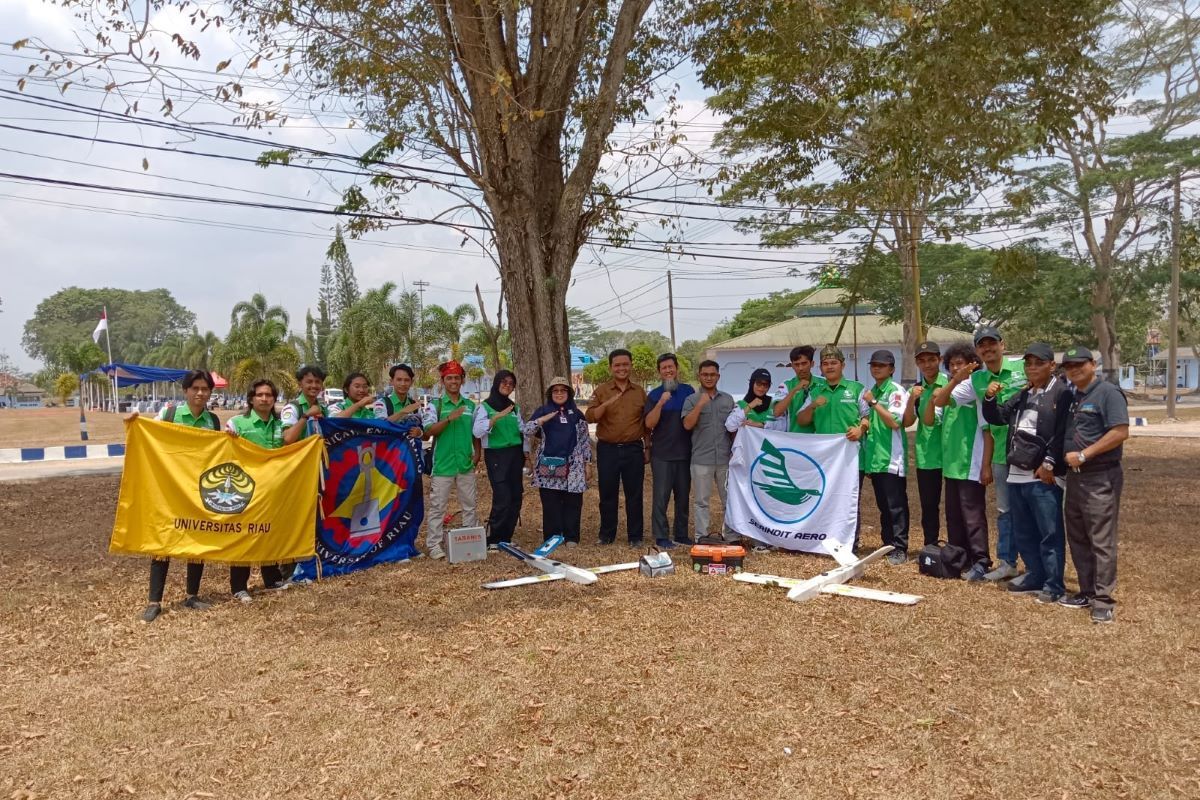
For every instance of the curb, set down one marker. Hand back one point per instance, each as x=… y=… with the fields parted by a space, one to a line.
x=19 y=455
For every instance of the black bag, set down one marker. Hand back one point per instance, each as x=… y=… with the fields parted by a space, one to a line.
x=942 y=560
x=1027 y=450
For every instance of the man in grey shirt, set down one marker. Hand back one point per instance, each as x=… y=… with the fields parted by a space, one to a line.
x=704 y=415
x=1097 y=427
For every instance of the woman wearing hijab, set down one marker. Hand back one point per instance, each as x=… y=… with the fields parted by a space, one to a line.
x=755 y=409
x=562 y=462
x=497 y=425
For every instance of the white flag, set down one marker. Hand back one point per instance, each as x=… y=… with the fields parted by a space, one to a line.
x=796 y=491
x=101 y=327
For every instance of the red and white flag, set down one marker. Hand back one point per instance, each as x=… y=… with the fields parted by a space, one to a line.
x=101 y=326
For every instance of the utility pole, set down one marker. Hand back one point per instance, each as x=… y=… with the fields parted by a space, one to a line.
x=1172 y=343
x=421 y=304
x=671 y=307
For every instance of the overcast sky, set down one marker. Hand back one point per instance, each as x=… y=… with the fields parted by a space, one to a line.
x=211 y=257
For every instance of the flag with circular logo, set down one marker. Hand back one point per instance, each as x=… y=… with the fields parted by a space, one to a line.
x=796 y=491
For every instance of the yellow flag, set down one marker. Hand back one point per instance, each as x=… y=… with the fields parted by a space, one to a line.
x=206 y=496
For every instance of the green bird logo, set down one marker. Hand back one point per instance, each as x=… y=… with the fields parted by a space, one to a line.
x=778 y=484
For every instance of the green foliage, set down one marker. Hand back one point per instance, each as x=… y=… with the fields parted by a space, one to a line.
x=644 y=369
x=191 y=351
x=584 y=332
x=596 y=373
x=258 y=346
x=759 y=313
x=343 y=292
x=65 y=386
x=139 y=321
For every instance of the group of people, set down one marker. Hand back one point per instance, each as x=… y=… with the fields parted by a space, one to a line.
x=1049 y=440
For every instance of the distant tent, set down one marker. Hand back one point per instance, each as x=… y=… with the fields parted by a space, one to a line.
x=580 y=358
x=219 y=382
x=135 y=374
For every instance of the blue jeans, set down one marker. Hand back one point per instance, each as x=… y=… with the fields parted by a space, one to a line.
x=1006 y=547
x=1037 y=513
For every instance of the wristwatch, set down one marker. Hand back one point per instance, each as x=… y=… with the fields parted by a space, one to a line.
x=1082 y=457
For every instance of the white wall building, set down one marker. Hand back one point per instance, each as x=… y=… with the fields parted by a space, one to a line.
x=816 y=322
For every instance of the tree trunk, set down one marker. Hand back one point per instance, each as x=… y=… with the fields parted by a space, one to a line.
x=535 y=284
x=1104 y=323
x=907 y=229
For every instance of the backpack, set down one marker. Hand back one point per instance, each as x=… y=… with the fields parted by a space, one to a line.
x=942 y=560
x=216 y=423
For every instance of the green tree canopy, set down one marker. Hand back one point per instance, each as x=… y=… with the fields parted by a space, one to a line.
x=139 y=321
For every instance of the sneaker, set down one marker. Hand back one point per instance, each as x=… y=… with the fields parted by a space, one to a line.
x=571 y=543
x=606 y=541
x=493 y=548
x=976 y=573
x=1023 y=586
x=664 y=544
x=196 y=604
x=436 y=553
x=281 y=586
x=760 y=548
x=636 y=543
x=897 y=557
x=685 y=542
x=1047 y=598
x=151 y=613
x=243 y=597
x=1102 y=616
x=1002 y=572
x=1074 y=601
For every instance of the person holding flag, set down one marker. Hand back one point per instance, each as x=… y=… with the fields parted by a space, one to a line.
x=793 y=393
x=359 y=402
x=448 y=422
x=197 y=388
x=307 y=405
x=259 y=425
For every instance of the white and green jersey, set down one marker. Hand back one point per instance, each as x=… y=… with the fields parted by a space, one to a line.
x=1011 y=378
x=962 y=441
x=798 y=401
x=929 y=437
x=884 y=449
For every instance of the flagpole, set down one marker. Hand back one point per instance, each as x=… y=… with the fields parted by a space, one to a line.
x=116 y=382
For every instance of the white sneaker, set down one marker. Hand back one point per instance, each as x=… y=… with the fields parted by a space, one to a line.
x=243 y=597
x=1003 y=572
x=436 y=553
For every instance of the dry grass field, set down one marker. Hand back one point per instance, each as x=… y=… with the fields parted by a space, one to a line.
x=412 y=681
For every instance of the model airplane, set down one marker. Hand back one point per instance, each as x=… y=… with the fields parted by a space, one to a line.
x=835 y=581
x=551 y=569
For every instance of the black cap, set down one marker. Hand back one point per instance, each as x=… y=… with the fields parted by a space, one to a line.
x=883 y=357
x=1040 y=350
x=760 y=374
x=1077 y=355
x=988 y=332
x=929 y=347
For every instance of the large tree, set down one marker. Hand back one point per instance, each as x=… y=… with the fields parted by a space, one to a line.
x=910 y=108
x=519 y=99
x=1112 y=191
x=139 y=321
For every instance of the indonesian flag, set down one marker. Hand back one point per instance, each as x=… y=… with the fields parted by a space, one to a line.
x=101 y=326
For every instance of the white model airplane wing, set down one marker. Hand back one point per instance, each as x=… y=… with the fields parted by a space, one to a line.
x=555 y=576
x=863 y=593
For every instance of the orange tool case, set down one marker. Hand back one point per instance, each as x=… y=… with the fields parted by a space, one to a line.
x=717 y=559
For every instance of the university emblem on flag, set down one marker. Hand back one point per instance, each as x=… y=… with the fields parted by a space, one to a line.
x=226 y=489
x=788 y=485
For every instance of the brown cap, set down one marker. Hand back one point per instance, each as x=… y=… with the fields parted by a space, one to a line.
x=558 y=381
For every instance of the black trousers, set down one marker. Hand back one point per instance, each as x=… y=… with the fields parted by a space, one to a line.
x=504 y=474
x=158 y=578
x=891 y=495
x=966 y=519
x=561 y=511
x=239 y=577
x=670 y=478
x=620 y=465
x=929 y=487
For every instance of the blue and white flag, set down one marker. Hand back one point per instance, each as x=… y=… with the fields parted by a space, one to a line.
x=796 y=491
x=371 y=505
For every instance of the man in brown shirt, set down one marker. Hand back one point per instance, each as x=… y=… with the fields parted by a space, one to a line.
x=616 y=408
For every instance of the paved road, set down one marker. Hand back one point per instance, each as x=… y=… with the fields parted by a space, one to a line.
x=35 y=470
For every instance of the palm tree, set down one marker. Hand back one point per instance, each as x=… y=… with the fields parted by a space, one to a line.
x=258 y=346
x=447 y=328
